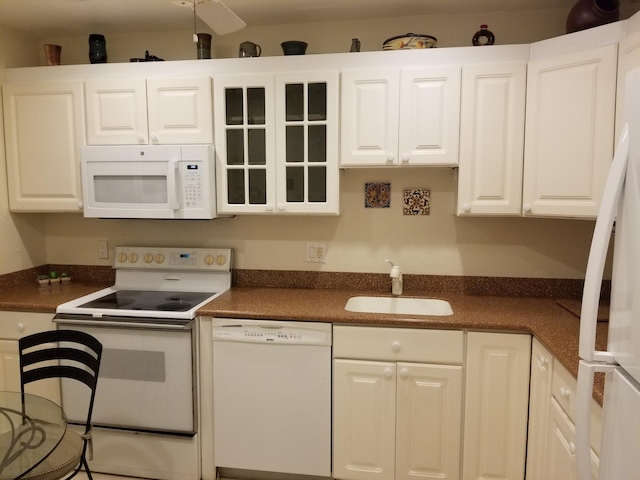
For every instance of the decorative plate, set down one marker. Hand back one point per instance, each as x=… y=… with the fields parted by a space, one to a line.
x=410 y=41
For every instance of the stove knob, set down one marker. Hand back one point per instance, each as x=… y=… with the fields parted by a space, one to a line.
x=148 y=257
x=209 y=259
x=221 y=260
x=122 y=257
x=133 y=257
x=160 y=258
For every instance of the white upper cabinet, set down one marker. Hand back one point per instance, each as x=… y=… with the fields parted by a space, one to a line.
x=571 y=99
x=400 y=116
x=277 y=143
x=135 y=111
x=44 y=128
x=491 y=138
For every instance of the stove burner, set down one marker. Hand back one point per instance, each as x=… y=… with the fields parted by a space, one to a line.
x=185 y=297
x=174 y=306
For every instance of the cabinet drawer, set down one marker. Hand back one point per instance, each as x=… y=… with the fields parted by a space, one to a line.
x=398 y=344
x=563 y=390
x=14 y=325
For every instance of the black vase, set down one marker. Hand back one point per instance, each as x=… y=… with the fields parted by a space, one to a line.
x=97 y=48
x=591 y=13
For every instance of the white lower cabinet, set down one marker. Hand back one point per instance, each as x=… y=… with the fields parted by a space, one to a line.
x=551 y=443
x=496 y=405
x=396 y=413
x=13 y=326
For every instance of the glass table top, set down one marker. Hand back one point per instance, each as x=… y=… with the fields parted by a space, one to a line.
x=27 y=438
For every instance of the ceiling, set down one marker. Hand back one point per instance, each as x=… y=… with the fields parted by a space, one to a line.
x=79 y=17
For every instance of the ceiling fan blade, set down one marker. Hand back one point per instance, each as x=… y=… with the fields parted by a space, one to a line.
x=220 y=18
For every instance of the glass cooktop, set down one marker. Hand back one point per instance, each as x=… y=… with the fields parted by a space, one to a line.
x=154 y=301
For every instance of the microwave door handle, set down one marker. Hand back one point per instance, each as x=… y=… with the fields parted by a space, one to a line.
x=172 y=187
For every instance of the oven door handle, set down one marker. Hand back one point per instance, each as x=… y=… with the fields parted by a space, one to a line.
x=62 y=320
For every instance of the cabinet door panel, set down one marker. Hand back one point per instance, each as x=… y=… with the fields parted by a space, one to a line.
x=541 y=381
x=180 y=110
x=307 y=142
x=428 y=430
x=245 y=143
x=429 y=116
x=492 y=139
x=369 y=123
x=496 y=404
x=364 y=406
x=569 y=131
x=116 y=111
x=44 y=175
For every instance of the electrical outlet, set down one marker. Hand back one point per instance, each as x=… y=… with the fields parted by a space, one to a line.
x=316 y=252
x=103 y=249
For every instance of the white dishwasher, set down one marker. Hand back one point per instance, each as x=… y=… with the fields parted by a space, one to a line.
x=272 y=397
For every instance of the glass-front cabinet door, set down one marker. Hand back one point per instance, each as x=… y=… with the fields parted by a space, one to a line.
x=307 y=143
x=245 y=143
x=277 y=143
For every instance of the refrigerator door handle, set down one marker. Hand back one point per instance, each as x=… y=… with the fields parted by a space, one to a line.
x=586 y=371
x=598 y=252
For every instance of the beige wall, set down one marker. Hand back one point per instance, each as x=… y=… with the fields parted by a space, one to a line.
x=22 y=238
x=358 y=240
x=326 y=37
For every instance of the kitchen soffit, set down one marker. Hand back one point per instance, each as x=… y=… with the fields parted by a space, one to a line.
x=78 y=17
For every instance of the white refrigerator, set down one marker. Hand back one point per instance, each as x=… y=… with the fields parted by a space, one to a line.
x=620 y=449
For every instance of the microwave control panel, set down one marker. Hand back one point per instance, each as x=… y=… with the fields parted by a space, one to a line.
x=192 y=174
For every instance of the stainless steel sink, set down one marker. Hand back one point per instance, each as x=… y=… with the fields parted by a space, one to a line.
x=399 y=305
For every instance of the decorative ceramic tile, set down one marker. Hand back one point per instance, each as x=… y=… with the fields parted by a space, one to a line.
x=416 y=202
x=377 y=195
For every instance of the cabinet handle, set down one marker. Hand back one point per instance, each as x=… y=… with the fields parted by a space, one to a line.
x=390 y=158
x=388 y=373
x=466 y=207
x=404 y=373
x=20 y=327
x=154 y=138
x=565 y=392
x=542 y=363
x=80 y=204
x=572 y=448
x=140 y=138
x=395 y=347
x=282 y=207
x=526 y=207
x=405 y=158
x=268 y=207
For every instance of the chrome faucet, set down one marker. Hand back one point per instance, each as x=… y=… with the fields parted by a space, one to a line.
x=396 y=278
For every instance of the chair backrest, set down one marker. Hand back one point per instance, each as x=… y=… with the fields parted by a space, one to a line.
x=75 y=355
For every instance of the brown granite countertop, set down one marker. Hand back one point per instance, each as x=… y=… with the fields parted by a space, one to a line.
x=32 y=298
x=553 y=325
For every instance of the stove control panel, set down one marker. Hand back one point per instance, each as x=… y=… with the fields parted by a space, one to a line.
x=172 y=258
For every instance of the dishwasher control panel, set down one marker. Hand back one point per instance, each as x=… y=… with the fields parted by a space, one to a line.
x=276 y=332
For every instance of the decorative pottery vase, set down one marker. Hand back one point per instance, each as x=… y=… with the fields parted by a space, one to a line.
x=97 y=48
x=204 y=46
x=52 y=54
x=591 y=13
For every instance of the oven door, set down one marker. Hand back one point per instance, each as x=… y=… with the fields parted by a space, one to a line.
x=146 y=380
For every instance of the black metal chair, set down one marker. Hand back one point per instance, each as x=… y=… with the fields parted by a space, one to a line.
x=76 y=355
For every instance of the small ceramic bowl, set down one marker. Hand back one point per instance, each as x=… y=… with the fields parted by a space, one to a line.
x=410 y=41
x=294 y=47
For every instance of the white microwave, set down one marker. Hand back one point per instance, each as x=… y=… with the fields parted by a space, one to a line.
x=148 y=181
